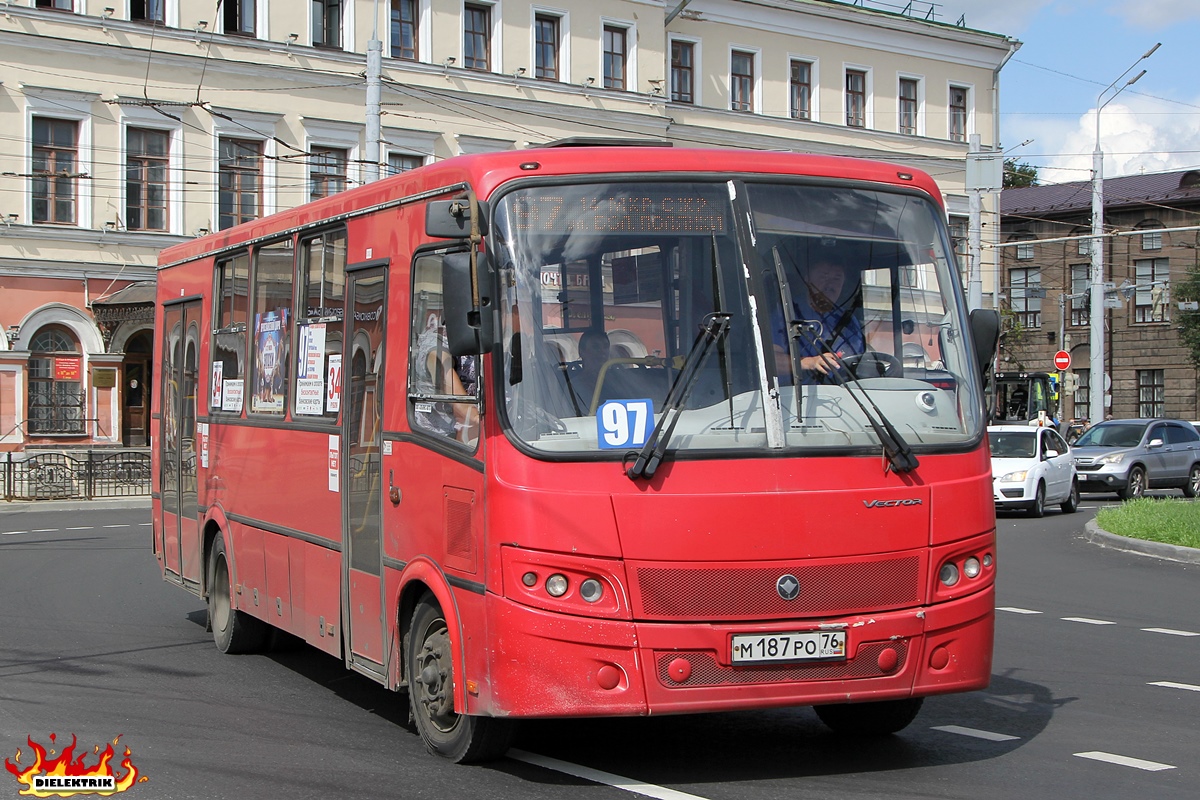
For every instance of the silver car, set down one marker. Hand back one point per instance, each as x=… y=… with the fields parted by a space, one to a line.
x=1129 y=456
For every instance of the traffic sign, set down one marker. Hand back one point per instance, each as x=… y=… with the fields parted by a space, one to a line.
x=1062 y=360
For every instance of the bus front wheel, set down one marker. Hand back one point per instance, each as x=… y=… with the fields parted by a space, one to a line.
x=870 y=719
x=458 y=737
x=233 y=631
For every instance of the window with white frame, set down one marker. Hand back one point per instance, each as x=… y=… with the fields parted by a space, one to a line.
x=683 y=71
x=1152 y=277
x=960 y=229
x=1084 y=246
x=147 y=176
x=741 y=80
x=239 y=181
x=57 y=5
x=1080 y=299
x=546 y=46
x=326 y=171
x=1152 y=237
x=1024 y=296
x=909 y=104
x=958 y=111
x=327 y=23
x=56 y=396
x=856 y=98
x=1083 y=394
x=152 y=11
x=1152 y=393
x=405 y=24
x=55 y=171
x=800 y=89
x=239 y=17
x=402 y=162
x=477 y=37
x=616 y=56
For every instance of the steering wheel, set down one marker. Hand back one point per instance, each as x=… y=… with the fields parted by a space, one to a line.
x=874 y=364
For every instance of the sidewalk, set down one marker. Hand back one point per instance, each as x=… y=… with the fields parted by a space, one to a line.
x=21 y=506
x=1171 y=552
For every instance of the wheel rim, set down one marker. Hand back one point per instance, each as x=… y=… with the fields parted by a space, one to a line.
x=1136 y=484
x=219 y=596
x=1194 y=480
x=434 y=685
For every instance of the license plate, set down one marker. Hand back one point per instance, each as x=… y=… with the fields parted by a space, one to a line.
x=766 y=648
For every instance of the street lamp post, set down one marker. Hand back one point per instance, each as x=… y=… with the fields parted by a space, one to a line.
x=1096 y=344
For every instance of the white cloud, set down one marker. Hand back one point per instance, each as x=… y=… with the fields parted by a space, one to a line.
x=1135 y=137
x=1158 y=14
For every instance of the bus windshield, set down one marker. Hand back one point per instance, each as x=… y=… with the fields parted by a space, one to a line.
x=760 y=315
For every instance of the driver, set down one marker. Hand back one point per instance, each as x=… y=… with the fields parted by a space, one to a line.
x=582 y=377
x=832 y=315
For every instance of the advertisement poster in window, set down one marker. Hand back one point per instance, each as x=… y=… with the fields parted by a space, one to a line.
x=268 y=361
x=333 y=392
x=218 y=372
x=310 y=367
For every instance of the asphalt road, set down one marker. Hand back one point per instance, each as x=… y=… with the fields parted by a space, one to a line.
x=1096 y=693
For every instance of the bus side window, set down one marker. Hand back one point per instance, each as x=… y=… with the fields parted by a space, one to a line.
x=442 y=388
x=231 y=311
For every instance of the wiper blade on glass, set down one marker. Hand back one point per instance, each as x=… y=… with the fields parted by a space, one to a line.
x=712 y=329
x=898 y=452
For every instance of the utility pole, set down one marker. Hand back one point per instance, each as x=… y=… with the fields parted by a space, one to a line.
x=374 y=84
x=1096 y=335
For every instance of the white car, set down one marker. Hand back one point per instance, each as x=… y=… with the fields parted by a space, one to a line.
x=1032 y=467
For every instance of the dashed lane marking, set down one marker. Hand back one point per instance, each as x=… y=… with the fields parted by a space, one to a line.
x=82 y=528
x=1125 y=761
x=1088 y=621
x=1174 y=685
x=12 y=533
x=1170 y=632
x=978 y=734
x=44 y=530
x=118 y=526
x=606 y=778
x=1013 y=610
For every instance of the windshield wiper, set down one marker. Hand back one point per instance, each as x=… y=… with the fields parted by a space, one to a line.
x=714 y=326
x=898 y=452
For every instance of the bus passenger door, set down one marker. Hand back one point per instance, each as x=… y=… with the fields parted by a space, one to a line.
x=179 y=531
x=362 y=558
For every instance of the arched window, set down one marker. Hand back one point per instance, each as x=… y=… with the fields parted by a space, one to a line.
x=55 y=383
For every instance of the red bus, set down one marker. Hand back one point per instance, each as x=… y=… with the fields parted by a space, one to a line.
x=575 y=431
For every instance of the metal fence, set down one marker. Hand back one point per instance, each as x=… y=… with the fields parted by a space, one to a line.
x=80 y=475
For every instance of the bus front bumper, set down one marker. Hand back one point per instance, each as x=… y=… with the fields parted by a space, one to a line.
x=553 y=665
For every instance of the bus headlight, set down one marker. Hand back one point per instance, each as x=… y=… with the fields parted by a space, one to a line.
x=556 y=585
x=948 y=574
x=591 y=590
x=971 y=567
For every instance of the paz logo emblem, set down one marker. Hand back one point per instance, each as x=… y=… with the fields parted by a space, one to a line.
x=788 y=587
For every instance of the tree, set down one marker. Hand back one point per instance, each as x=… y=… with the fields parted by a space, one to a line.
x=1189 y=321
x=1018 y=175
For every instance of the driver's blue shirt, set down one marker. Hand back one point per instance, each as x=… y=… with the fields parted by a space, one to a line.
x=847 y=340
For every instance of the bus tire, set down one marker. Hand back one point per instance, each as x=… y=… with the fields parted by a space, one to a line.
x=233 y=631
x=870 y=719
x=430 y=671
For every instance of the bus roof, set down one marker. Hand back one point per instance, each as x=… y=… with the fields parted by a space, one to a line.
x=485 y=172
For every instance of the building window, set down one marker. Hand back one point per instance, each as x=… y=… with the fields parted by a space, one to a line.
x=683 y=72
x=152 y=11
x=1080 y=298
x=55 y=383
x=1025 y=296
x=741 y=81
x=327 y=172
x=856 y=98
x=1152 y=240
x=615 y=56
x=57 y=5
x=908 y=106
x=959 y=237
x=402 y=162
x=958 y=114
x=404 y=29
x=327 y=23
x=55 y=155
x=1083 y=394
x=545 y=47
x=146 y=167
x=239 y=17
x=477 y=44
x=800 y=85
x=239 y=194
x=1025 y=250
x=1152 y=277
x=271 y=304
x=1151 y=393
x=1085 y=247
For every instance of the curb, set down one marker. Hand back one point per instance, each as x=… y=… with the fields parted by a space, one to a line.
x=22 y=506
x=1171 y=552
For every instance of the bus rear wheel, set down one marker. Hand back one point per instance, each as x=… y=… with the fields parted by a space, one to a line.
x=445 y=732
x=233 y=631
x=870 y=719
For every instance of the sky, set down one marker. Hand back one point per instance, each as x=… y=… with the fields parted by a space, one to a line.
x=1071 y=50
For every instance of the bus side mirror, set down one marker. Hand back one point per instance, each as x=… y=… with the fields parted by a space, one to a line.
x=468 y=328
x=451 y=219
x=985 y=332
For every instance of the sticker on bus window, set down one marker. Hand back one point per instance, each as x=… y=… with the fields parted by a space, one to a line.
x=624 y=423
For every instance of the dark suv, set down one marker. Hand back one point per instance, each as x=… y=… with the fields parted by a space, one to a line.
x=1129 y=456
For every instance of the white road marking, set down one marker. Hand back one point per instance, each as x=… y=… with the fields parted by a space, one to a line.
x=1014 y=610
x=12 y=533
x=44 y=530
x=1174 y=685
x=1170 y=632
x=118 y=526
x=1088 y=621
x=978 y=734
x=145 y=524
x=606 y=778
x=83 y=528
x=1125 y=761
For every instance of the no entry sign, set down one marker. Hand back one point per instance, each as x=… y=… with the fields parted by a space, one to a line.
x=1062 y=360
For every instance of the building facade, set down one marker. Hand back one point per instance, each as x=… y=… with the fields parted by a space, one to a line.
x=132 y=126
x=1152 y=226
